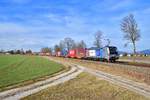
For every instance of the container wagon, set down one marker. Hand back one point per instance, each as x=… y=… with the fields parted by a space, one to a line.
x=91 y=53
x=80 y=53
x=72 y=53
x=77 y=53
x=64 y=53
x=58 y=53
x=107 y=53
x=53 y=53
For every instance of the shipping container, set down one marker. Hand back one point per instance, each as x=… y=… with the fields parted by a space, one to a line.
x=53 y=53
x=72 y=54
x=64 y=53
x=77 y=53
x=87 y=53
x=58 y=53
x=80 y=52
x=93 y=52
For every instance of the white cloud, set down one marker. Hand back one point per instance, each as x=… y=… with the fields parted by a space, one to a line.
x=11 y=28
x=46 y=29
x=121 y=4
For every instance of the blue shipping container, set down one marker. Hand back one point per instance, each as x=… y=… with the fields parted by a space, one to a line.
x=64 y=53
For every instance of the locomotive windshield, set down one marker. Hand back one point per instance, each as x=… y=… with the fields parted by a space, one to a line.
x=113 y=50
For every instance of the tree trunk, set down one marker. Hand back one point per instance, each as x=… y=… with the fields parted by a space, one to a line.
x=134 y=48
x=134 y=51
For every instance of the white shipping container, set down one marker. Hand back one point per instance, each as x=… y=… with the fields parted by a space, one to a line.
x=92 y=53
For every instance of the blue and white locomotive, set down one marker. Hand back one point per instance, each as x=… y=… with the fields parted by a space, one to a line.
x=107 y=53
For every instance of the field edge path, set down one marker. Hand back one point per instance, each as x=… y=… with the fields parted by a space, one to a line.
x=18 y=93
x=140 y=88
x=136 y=87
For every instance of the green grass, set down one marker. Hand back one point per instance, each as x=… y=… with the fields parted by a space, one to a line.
x=16 y=69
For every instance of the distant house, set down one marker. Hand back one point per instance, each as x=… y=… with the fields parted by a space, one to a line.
x=44 y=54
x=129 y=55
x=7 y=53
x=41 y=54
x=35 y=53
x=121 y=55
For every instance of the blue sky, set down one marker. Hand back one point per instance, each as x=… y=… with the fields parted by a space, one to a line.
x=32 y=24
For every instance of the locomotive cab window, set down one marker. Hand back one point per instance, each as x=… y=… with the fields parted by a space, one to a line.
x=113 y=50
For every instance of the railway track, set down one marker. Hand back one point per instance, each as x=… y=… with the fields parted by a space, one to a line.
x=134 y=66
x=145 y=61
x=138 y=64
x=118 y=62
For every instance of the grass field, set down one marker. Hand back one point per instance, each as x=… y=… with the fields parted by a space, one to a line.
x=136 y=58
x=16 y=69
x=140 y=74
x=85 y=87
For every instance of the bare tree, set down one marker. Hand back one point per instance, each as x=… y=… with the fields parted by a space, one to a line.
x=29 y=51
x=46 y=50
x=62 y=45
x=130 y=27
x=74 y=45
x=98 y=39
x=56 y=48
x=2 y=51
x=81 y=44
x=22 y=51
x=69 y=43
x=108 y=42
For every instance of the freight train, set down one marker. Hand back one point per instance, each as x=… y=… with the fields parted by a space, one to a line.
x=107 y=53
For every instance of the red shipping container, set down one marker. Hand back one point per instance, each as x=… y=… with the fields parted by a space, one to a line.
x=72 y=53
x=80 y=53
x=87 y=53
x=77 y=53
